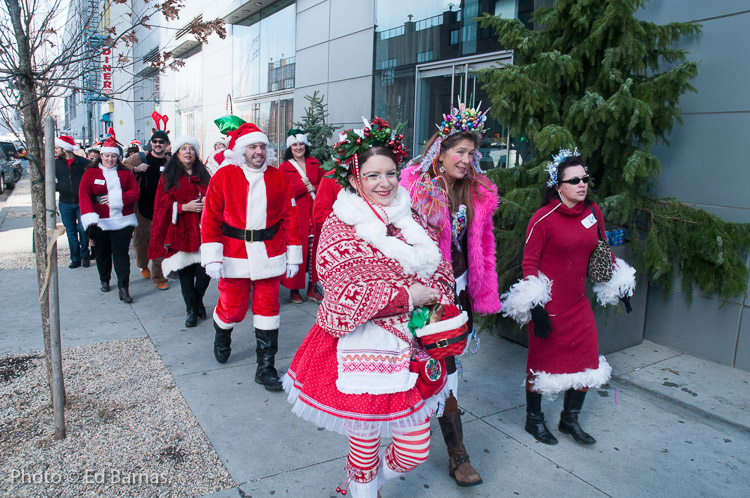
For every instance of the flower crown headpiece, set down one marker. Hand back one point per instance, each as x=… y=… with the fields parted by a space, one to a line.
x=463 y=119
x=376 y=132
x=553 y=166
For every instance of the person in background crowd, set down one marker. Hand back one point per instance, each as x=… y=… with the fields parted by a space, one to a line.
x=328 y=190
x=250 y=238
x=563 y=354
x=215 y=159
x=93 y=152
x=108 y=195
x=133 y=148
x=69 y=169
x=148 y=169
x=377 y=261
x=303 y=173
x=453 y=196
x=175 y=233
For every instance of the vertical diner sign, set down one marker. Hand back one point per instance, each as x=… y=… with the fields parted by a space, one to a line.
x=107 y=71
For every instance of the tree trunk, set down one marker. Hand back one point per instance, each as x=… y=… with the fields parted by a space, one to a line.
x=32 y=129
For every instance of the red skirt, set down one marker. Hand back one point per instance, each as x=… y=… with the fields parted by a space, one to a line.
x=310 y=383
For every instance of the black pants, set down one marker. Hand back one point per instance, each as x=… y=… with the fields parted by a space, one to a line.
x=194 y=282
x=113 y=246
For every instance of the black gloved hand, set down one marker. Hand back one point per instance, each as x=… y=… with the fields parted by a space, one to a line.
x=93 y=231
x=626 y=300
x=542 y=325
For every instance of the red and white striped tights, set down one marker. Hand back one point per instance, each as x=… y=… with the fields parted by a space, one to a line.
x=410 y=447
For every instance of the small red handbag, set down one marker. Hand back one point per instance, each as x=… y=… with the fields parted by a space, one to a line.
x=446 y=331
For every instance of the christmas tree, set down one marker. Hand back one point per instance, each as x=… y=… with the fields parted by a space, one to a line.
x=314 y=125
x=593 y=76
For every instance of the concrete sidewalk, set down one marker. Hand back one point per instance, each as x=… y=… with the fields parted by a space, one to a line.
x=668 y=423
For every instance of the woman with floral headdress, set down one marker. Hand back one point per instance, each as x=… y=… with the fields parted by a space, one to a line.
x=563 y=353
x=304 y=174
x=354 y=372
x=451 y=193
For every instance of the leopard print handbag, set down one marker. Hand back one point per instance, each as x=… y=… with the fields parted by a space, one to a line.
x=600 y=261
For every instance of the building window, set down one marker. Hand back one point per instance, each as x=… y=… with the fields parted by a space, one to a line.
x=263 y=52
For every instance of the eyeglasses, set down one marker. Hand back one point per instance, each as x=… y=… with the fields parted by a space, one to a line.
x=575 y=180
x=157 y=142
x=373 y=177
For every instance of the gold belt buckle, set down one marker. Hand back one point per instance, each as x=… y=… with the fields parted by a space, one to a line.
x=441 y=343
x=252 y=235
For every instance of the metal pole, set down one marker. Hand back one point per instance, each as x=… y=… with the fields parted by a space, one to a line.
x=58 y=390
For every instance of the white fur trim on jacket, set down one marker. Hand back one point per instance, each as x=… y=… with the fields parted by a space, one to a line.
x=294 y=255
x=212 y=252
x=174 y=212
x=187 y=139
x=119 y=222
x=525 y=295
x=87 y=219
x=178 y=261
x=551 y=384
x=444 y=325
x=420 y=254
x=620 y=285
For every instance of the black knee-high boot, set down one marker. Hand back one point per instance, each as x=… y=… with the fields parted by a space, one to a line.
x=569 y=417
x=187 y=286
x=202 y=280
x=267 y=346
x=222 y=342
x=535 y=419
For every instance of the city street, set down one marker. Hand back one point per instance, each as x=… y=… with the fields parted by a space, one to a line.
x=668 y=424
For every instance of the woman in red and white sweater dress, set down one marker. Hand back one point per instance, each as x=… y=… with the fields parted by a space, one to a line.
x=176 y=232
x=563 y=353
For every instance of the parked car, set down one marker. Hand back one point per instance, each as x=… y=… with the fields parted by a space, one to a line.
x=7 y=171
x=10 y=150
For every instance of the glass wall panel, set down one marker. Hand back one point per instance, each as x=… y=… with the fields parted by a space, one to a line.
x=414 y=32
x=263 y=53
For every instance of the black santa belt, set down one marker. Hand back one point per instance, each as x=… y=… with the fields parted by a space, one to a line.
x=250 y=235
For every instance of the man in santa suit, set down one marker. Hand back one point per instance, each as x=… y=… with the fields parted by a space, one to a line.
x=249 y=239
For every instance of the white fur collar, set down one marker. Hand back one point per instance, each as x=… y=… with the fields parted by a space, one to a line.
x=419 y=255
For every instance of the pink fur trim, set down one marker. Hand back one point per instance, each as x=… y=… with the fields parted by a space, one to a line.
x=483 y=291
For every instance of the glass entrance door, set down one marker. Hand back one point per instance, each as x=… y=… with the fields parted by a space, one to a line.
x=443 y=87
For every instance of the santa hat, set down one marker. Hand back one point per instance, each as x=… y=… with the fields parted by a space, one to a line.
x=295 y=136
x=135 y=142
x=65 y=142
x=186 y=139
x=110 y=144
x=240 y=138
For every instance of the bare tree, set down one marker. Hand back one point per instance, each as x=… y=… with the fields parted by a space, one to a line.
x=43 y=56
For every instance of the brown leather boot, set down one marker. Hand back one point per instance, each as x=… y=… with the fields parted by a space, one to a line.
x=458 y=459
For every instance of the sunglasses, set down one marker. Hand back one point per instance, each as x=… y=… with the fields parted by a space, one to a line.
x=157 y=142
x=575 y=180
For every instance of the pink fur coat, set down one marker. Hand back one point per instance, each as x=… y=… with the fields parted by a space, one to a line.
x=482 y=286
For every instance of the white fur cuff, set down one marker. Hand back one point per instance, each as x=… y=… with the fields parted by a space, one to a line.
x=525 y=295
x=212 y=252
x=620 y=285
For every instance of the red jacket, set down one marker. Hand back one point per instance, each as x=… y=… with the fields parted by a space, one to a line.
x=250 y=199
x=121 y=188
x=176 y=235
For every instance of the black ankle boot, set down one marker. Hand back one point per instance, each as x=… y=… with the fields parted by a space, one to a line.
x=191 y=320
x=569 y=417
x=125 y=295
x=267 y=346
x=222 y=341
x=535 y=419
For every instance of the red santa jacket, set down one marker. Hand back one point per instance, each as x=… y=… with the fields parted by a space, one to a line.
x=121 y=188
x=175 y=234
x=250 y=199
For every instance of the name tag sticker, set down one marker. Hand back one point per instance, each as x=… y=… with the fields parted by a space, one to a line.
x=99 y=182
x=161 y=168
x=589 y=221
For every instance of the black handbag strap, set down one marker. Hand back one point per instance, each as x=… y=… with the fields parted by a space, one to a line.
x=598 y=231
